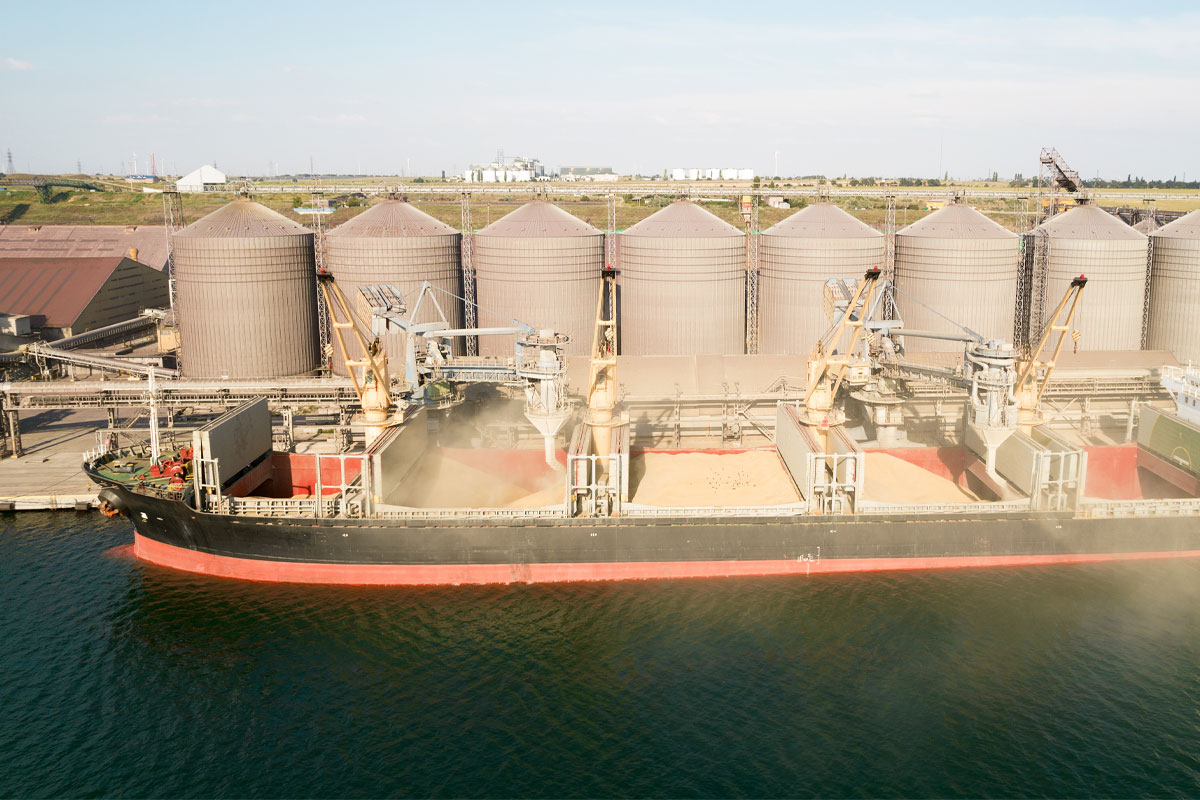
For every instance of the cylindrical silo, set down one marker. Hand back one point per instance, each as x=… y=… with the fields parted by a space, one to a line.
x=958 y=263
x=795 y=259
x=682 y=284
x=1087 y=240
x=541 y=266
x=245 y=283
x=394 y=243
x=1174 y=321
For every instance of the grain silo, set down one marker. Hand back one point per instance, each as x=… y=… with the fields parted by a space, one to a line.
x=395 y=243
x=1146 y=225
x=796 y=257
x=1087 y=240
x=1174 y=313
x=682 y=284
x=541 y=266
x=958 y=263
x=245 y=282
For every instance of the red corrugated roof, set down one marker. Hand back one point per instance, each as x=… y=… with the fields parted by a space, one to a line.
x=53 y=290
x=85 y=241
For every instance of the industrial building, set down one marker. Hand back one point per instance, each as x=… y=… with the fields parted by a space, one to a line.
x=394 y=243
x=245 y=284
x=577 y=173
x=796 y=258
x=202 y=179
x=710 y=174
x=518 y=169
x=956 y=263
x=1173 y=314
x=146 y=244
x=541 y=266
x=60 y=297
x=1087 y=240
x=682 y=284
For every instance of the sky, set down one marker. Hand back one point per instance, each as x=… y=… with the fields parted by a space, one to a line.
x=862 y=88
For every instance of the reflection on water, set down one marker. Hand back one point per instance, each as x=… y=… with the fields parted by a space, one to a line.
x=124 y=678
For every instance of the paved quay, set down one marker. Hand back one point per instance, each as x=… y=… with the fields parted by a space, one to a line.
x=50 y=476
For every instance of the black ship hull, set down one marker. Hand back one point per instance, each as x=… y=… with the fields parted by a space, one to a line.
x=456 y=551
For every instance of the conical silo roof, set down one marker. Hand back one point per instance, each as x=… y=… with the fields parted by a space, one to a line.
x=242 y=219
x=823 y=221
x=1186 y=227
x=392 y=219
x=1088 y=222
x=957 y=221
x=1147 y=225
x=683 y=220
x=537 y=219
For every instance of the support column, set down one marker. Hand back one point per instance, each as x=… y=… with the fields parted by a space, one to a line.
x=14 y=433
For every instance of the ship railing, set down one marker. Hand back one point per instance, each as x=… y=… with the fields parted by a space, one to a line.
x=939 y=509
x=1096 y=509
x=329 y=506
x=788 y=510
x=468 y=513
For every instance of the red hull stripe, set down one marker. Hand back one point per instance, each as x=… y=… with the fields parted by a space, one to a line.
x=413 y=575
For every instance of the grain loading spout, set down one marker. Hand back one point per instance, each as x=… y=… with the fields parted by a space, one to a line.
x=598 y=461
x=432 y=376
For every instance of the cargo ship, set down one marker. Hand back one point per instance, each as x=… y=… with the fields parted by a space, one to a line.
x=841 y=482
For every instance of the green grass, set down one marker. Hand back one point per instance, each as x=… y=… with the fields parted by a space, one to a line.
x=20 y=206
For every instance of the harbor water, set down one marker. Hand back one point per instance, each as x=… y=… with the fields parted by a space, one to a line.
x=121 y=678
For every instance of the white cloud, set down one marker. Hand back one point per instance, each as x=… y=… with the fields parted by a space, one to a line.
x=17 y=64
x=125 y=118
x=337 y=119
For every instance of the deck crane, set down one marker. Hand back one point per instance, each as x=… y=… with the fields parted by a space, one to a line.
x=431 y=375
x=833 y=364
x=1003 y=390
x=1034 y=374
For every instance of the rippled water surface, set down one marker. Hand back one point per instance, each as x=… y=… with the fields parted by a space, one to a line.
x=124 y=679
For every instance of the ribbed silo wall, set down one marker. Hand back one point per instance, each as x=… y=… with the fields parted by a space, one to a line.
x=546 y=282
x=1109 y=315
x=246 y=306
x=1174 y=321
x=404 y=262
x=971 y=281
x=791 y=285
x=682 y=296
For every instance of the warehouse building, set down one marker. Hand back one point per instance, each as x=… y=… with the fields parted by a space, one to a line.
x=202 y=179
x=67 y=296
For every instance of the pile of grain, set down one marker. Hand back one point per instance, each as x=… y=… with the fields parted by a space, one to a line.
x=440 y=482
x=754 y=478
x=894 y=480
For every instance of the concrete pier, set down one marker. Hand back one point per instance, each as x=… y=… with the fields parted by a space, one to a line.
x=48 y=476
